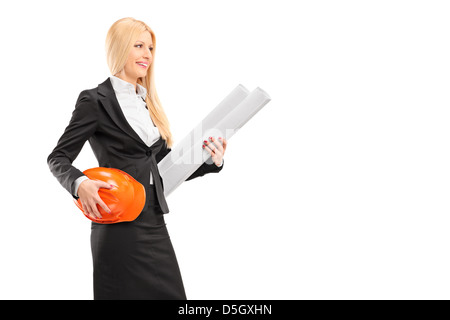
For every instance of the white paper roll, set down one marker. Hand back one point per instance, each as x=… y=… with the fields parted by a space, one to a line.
x=224 y=121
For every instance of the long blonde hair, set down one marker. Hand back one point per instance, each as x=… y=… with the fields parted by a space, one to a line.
x=120 y=38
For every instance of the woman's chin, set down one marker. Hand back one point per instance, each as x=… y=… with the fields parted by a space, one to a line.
x=141 y=74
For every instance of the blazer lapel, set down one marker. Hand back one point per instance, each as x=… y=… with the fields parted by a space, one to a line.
x=108 y=98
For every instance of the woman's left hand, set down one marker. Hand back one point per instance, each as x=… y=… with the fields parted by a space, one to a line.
x=216 y=149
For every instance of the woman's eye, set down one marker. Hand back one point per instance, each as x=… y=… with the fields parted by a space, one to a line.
x=140 y=45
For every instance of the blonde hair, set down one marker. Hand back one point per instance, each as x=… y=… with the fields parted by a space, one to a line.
x=120 y=38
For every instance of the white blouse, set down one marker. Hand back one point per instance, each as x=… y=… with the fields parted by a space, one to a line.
x=134 y=108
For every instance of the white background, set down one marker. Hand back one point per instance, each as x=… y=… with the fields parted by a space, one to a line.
x=337 y=189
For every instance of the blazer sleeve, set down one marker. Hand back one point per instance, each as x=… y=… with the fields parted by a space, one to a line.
x=201 y=171
x=81 y=126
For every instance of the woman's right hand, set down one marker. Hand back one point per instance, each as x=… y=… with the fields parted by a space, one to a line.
x=89 y=198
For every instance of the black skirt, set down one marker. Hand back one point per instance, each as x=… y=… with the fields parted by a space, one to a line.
x=136 y=260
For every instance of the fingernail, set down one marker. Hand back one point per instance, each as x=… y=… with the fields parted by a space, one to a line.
x=205 y=141
x=210 y=138
x=220 y=138
x=203 y=146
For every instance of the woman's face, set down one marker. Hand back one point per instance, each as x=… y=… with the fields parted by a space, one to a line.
x=139 y=59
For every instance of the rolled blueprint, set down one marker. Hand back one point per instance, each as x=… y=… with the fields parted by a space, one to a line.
x=224 y=120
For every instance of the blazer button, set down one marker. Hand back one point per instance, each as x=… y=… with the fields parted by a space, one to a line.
x=148 y=153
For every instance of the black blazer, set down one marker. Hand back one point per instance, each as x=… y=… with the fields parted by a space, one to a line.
x=99 y=119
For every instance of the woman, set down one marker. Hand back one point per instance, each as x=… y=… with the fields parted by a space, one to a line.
x=127 y=129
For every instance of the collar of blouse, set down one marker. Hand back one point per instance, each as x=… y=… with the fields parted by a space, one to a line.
x=123 y=87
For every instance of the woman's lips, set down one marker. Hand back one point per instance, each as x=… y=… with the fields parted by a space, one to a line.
x=145 y=67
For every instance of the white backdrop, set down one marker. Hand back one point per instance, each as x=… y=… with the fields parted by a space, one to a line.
x=337 y=189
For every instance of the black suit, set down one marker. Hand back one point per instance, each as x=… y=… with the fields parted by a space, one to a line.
x=99 y=119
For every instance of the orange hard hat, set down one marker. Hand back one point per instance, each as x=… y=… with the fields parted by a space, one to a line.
x=125 y=200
